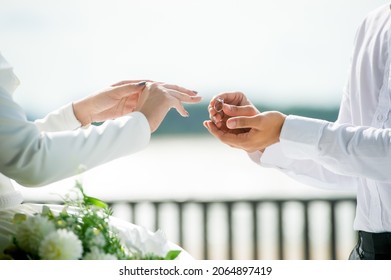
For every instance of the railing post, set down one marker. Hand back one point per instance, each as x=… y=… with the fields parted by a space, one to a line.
x=180 y=223
x=205 y=231
x=133 y=209
x=254 y=206
x=230 y=230
x=157 y=216
x=280 y=232
x=307 y=252
x=333 y=239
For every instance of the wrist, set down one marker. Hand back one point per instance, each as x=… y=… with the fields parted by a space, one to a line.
x=281 y=124
x=81 y=112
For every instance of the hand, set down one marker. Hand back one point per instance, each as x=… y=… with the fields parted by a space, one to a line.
x=244 y=127
x=231 y=98
x=110 y=103
x=158 y=98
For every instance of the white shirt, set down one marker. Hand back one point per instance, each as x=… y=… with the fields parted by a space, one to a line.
x=355 y=151
x=41 y=152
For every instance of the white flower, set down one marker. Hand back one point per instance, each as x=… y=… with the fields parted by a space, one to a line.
x=96 y=254
x=146 y=242
x=61 y=245
x=95 y=238
x=30 y=233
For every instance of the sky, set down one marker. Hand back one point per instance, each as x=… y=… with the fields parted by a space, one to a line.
x=277 y=52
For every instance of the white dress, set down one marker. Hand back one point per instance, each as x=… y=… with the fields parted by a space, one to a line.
x=41 y=152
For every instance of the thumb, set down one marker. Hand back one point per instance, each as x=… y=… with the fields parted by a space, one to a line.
x=242 y=122
x=236 y=111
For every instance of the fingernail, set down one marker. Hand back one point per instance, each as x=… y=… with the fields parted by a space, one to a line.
x=141 y=84
x=196 y=92
x=231 y=124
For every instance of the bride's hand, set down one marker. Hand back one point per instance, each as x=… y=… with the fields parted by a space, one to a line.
x=110 y=103
x=158 y=98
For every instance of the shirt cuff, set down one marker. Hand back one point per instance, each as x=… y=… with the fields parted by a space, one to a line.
x=300 y=136
x=271 y=157
x=145 y=129
x=255 y=156
x=59 y=120
x=69 y=117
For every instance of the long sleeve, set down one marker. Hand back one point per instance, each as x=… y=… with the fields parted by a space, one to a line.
x=59 y=120
x=33 y=158
x=331 y=155
x=344 y=149
x=306 y=171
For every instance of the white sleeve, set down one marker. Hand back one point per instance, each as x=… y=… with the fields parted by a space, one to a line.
x=331 y=152
x=34 y=158
x=344 y=149
x=59 y=120
x=305 y=171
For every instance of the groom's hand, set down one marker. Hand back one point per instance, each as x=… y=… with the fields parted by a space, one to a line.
x=254 y=133
x=241 y=125
x=220 y=117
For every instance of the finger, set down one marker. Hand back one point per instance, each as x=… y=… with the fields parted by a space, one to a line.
x=179 y=107
x=213 y=129
x=216 y=117
x=212 y=111
x=233 y=97
x=130 y=82
x=180 y=89
x=225 y=137
x=206 y=124
x=129 y=89
x=214 y=99
x=244 y=122
x=183 y=97
x=235 y=111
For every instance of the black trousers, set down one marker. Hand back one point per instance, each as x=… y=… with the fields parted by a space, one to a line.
x=372 y=246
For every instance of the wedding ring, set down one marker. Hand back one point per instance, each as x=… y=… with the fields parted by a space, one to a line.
x=218 y=106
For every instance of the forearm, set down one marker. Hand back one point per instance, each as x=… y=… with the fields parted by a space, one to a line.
x=34 y=158
x=59 y=120
x=343 y=149
x=305 y=171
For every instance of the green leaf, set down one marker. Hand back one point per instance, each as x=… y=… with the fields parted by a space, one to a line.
x=88 y=200
x=172 y=255
x=89 y=222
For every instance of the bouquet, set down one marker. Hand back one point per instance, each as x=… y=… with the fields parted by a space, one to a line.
x=80 y=231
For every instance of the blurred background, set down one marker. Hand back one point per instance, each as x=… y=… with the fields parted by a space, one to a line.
x=291 y=56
